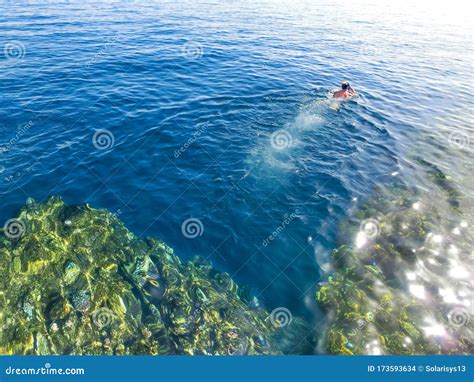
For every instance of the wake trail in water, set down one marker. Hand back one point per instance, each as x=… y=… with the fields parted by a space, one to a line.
x=281 y=148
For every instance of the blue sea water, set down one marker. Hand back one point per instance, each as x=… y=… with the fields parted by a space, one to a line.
x=219 y=111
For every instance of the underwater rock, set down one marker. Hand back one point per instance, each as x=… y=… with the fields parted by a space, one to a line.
x=404 y=285
x=76 y=281
x=71 y=271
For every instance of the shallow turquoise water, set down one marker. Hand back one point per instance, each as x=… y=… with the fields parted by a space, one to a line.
x=191 y=94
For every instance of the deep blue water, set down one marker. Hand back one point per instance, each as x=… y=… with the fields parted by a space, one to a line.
x=192 y=92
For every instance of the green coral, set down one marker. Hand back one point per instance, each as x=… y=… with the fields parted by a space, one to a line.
x=76 y=281
x=368 y=301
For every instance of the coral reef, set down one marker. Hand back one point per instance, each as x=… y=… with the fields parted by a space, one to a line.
x=74 y=280
x=404 y=285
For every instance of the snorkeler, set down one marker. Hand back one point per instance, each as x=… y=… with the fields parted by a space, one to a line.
x=347 y=91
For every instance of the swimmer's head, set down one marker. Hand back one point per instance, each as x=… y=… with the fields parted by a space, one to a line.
x=345 y=85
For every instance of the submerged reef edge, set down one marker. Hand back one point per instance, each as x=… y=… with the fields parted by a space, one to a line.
x=75 y=280
x=404 y=285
